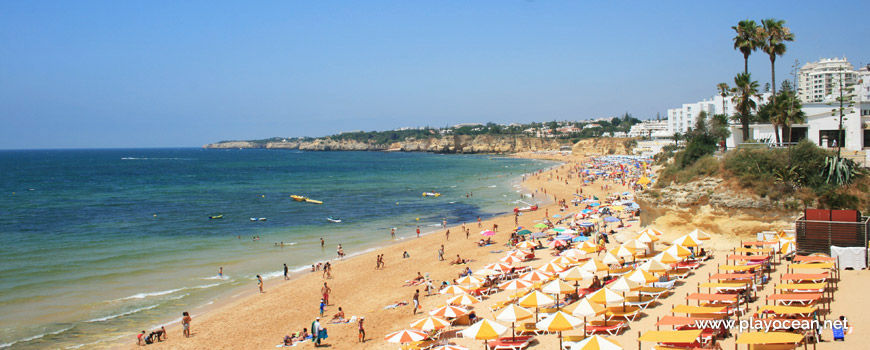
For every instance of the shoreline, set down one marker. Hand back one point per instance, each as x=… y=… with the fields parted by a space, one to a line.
x=241 y=294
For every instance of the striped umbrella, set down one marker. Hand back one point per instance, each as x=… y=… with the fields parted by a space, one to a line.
x=463 y=299
x=450 y=347
x=609 y=259
x=635 y=244
x=526 y=245
x=469 y=280
x=665 y=258
x=687 y=241
x=511 y=259
x=498 y=267
x=453 y=289
x=623 y=285
x=520 y=253
x=585 y=308
x=623 y=252
x=575 y=274
x=651 y=231
x=556 y=243
x=406 y=336
x=574 y=253
x=487 y=272
x=535 y=299
x=699 y=235
x=605 y=296
x=485 y=329
x=448 y=311
x=535 y=276
x=646 y=238
x=593 y=266
x=641 y=276
x=551 y=268
x=654 y=266
x=596 y=342
x=430 y=323
x=515 y=284
x=563 y=260
x=512 y=314
x=678 y=251
x=589 y=247
x=559 y=322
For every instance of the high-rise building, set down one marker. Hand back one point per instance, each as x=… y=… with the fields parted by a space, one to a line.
x=820 y=81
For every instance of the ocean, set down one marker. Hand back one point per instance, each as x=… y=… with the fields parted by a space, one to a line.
x=99 y=244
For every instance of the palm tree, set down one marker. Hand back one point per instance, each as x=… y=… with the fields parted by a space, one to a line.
x=744 y=90
x=746 y=40
x=791 y=112
x=774 y=34
x=723 y=91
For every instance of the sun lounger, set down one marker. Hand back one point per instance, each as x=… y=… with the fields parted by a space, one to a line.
x=508 y=345
x=628 y=313
x=691 y=265
x=681 y=273
x=500 y=305
x=654 y=292
x=666 y=285
x=527 y=338
x=803 y=299
x=598 y=327
x=418 y=345
x=619 y=272
x=640 y=301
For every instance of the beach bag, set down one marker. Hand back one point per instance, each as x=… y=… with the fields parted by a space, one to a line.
x=322 y=334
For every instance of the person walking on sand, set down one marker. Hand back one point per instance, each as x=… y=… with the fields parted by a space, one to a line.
x=185 y=324
x=416 y=301
x=260 y=283
x=286 y=272
x=325 y=291
x=362 y=331
x=447 y=234
x=322 y=243
x=418 y=231
x=315 y=331
x=322 y=307
x=441 y=253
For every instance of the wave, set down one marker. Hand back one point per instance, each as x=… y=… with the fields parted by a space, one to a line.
x=144 y=158
x=6 y=345
x=165 y=292
x=106 y=318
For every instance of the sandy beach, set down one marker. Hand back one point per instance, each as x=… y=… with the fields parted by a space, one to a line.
x=261 y=320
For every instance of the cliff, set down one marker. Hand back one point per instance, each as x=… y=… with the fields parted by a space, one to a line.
x=449 y=144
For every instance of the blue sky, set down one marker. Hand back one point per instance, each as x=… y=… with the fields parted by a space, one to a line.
x=81 y=74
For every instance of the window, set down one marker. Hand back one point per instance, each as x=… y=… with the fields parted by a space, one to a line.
x=827 y=138
x=866 y=138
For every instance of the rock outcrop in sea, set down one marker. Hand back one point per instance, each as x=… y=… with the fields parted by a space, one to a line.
x=450 y=144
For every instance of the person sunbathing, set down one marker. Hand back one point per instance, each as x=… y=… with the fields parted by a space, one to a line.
x=338 y=317
x=457 y=261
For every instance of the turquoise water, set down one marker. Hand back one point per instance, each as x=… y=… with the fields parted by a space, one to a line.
x=98 y=244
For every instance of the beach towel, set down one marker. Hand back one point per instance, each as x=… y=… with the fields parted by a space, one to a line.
x=322 y=334
x=393 y=306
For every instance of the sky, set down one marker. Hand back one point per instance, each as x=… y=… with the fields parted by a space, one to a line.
x=123 y=74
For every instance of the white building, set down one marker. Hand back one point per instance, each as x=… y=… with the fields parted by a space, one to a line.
x=681 y=119
x=650 y=128
x=820 y=81
x=862 y=84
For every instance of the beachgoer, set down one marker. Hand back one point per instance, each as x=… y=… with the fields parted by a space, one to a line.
x=447 y=234
x=325 y=291
x=416 y=301
x=444 y=223
x=479 y=224
x=839 y=329
x=322 y=243
x=160 y=333
x=338 y=317
x=322 y=306
x=362 y=331
x=441 y=253
x=315 y=331
x=185 y=323
x=140 y=338
x=260 y=283
x=286 y=272
x=393 y=232
x=221 y=272
x=418 y=231
x=405 y=255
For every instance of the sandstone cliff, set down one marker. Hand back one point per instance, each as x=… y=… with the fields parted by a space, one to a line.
x=448 y=144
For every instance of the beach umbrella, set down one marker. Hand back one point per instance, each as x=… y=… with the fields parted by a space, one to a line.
x=665 y=258
x=406 y=336
x=520 y=253
x=430 y=323
x=589 y=247
x=617 y=208
x=573 y=253
x=515 y=284
x=453 y=289
x=557 y=287
x=594 y=265
x=535 y=276
x=523 y=232
x=512 y=314
x=551 y=268
x=788 y=246
x=611 y=259
x=699 y=235
x=469 y=280
x=558 y=229
x=450 y=347
x=511 y=259
x=487 y=272
x=487 y=233
x=687 y=241
x=535 y=299
x=643 y=181
x=541 y=225
x=485 y=330
x=559 y=322
x=623 y=284
x=563 y=260
x=635 y=244
x=641 y=276
x=654 y=266
x=564 y=237
x=611 y=219
x=623 y=252
x=646 y=237
x=575 y=274
x=585 y=308
x=498 y=267
x=586 y=224
x=526 y=245
x=569 y=231
x=651 y=231
x=538 y=235
x=596 y=342
x=678 y=251
x=448 y=311
x=605 y=296
x=556 y=243
x=463 y=299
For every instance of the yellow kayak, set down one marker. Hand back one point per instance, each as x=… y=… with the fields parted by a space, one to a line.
x=308 y=200
x=298 y=198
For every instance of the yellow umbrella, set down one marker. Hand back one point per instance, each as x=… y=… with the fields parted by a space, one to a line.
x=594 y=266
x=596 y=342
x=430 y=323
x=699 y=235
x=463 y=299
x=605 y=296
x=641 y=276
x=634 y=244
x=651 y=231
x=520 y=253
x=559 y=322
x=643 y=181
x=535 y=299
x=526 y=245
x=575 y=274
x=617 y=208
x=469 y=280
x=588 y=247
x=551 y=268
x=485 y=330
x=557 y=287
x=665 y=258
x=535 y=276
x=623 y=284
x=453 y=289
x=585 y=308
x=655 y=266
x=623 y=252
x=788 y=247
x=687 y=241
x=609 y=258
x=512 y=314
x=646 y=237
x=678 y=251
x=563 y=260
